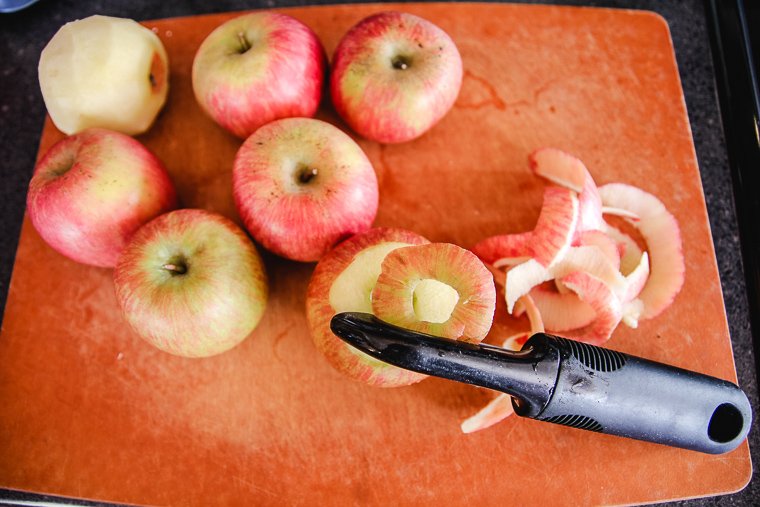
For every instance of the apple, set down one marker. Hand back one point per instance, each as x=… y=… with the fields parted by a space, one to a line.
x=191 y=283
x=257 y=68
x=394 y=76
x=91 y=191
x=104 y=72
x=343 y=281
x=302 y=185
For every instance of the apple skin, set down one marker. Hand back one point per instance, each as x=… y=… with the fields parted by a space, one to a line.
x=104 y=72
x=291 y=211
x=381 y=101
x=281 y=75
x=91 y=191
x=213 y=297
x=343 y=357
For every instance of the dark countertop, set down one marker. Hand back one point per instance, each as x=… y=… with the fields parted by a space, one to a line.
x=24 y=34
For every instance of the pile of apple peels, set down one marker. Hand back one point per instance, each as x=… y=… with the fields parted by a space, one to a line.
x=576 y=274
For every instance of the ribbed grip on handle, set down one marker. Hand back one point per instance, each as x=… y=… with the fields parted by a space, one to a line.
x=610 y=392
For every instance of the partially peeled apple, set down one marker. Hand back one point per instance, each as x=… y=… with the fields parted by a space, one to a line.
x=104 y=72
x=343 y=281
x=435 y=288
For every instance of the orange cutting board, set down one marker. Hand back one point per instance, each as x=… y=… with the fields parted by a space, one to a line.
x=90 y=410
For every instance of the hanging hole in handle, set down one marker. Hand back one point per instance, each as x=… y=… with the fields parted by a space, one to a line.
x=725 y=424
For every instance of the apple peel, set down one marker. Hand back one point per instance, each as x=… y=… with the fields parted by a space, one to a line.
x=630 y=253
x=602 y=299
x=567 y=171
x=637 y=279
x=516 y=341
x=559 y=167
x=601 y=240
x=496 y=411
x=556 y=225
x=663 y=239
x=562 y=311
x=504 y=246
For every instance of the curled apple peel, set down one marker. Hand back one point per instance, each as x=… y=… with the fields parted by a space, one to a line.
x=599 y=274
x=556 y=225
x=561 y=311
x=512 y=246
x=575 y=274
x=565 y=170
x=663 y=239
x=494 y=412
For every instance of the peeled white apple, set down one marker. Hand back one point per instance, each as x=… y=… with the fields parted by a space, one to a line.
x=104 y=72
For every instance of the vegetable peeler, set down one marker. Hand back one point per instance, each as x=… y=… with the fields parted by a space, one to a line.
x=571 y=383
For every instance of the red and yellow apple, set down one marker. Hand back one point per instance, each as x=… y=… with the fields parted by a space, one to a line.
x=191 y=283
x=302 y=185
x=257 y=68
x=343 y=281
x=394 y=76
x=91 y=191
x=104 y=72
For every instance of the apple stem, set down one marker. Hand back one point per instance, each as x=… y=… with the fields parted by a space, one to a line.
x=177 y=269
x=244 y=44
x=307 y=175
x=400 y=62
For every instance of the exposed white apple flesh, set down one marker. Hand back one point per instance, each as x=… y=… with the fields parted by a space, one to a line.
x=663 y=239
x=104 y=72
x=434 y=301
x=608 y=210
x=632 y=311
x=584 y=289
x=591 y=260
x=352 y=289
x=589 y=207
x=534 y=315
x=522 y=278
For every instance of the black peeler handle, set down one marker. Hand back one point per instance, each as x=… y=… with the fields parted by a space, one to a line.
x=602 y=390
x=571 y=383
